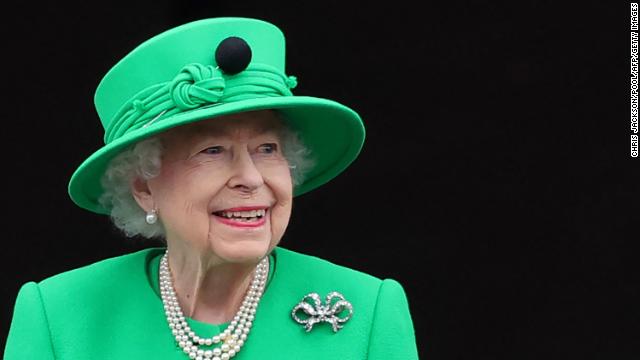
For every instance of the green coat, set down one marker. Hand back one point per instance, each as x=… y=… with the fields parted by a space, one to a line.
x=112 y=310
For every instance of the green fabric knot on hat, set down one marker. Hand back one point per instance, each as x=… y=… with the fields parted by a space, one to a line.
x=197 y=84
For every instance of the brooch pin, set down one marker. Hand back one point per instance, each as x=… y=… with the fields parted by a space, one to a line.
x=319 y=312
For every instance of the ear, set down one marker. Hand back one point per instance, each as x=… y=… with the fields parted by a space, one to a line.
x=142 y=194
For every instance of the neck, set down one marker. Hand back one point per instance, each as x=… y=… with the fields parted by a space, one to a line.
x=208 y=289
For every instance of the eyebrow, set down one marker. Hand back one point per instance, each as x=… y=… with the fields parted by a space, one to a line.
x=205 y=133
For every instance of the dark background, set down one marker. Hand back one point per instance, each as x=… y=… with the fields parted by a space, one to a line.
x=495 y=182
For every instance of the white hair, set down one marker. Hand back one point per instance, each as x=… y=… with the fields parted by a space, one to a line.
x=143 y=160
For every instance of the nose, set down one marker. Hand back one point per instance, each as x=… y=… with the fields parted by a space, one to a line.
x=245 y=175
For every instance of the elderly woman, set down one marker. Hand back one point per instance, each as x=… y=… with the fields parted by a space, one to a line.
x=206 y=147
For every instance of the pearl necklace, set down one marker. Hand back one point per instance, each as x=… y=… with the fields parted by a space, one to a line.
x=241 y=324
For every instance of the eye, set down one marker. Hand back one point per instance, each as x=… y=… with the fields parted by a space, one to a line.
x=269 y=148
x=213 y=150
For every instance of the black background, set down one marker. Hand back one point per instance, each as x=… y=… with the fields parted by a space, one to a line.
x=495 y=182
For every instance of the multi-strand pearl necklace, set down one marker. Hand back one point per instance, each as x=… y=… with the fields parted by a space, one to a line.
x=232 y=338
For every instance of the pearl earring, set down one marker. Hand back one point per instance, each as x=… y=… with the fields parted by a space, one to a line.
x=152 y=216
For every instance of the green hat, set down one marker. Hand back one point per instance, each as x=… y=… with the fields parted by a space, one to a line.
x=205 y=69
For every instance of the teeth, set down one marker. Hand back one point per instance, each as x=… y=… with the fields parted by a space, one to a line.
x=244 y=214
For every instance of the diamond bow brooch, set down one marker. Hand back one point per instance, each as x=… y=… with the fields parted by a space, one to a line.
x=329 y=312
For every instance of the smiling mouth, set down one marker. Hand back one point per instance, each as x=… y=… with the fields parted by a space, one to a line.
x=242 y=216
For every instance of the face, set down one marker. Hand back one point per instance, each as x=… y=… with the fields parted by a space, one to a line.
x=224 y=187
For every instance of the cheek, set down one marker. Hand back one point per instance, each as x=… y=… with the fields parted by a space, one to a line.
x=279 y=181
x=282 y=187
x=182 y=193
x=177 y=182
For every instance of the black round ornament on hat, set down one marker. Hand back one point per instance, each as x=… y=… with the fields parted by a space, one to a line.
x=233 y=55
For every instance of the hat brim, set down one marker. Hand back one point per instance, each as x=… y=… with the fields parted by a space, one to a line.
x=333 y=132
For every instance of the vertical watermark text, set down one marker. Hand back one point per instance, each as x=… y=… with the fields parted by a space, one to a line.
x=634 y=80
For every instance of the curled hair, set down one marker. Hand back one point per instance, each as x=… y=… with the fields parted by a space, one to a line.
x=141 y=160
x=144 y=159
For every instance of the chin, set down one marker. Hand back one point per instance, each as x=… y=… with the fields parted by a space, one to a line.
x=242 y=251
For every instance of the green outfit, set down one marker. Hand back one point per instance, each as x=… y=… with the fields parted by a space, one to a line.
x=112 y=310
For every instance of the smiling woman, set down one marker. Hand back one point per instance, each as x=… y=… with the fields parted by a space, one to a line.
x=221 y=165
x=209 y=161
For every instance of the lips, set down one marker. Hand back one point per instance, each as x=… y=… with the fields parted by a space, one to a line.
x=243 y=217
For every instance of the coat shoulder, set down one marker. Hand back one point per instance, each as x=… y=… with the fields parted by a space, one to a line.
x=301 y=270
x=115 y=272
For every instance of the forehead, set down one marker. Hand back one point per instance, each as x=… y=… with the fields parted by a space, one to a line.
x=247 y=123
